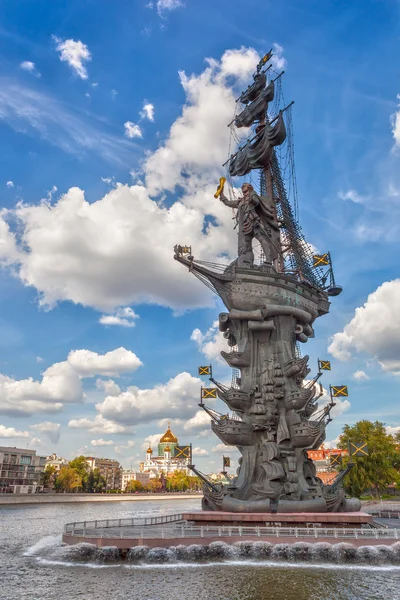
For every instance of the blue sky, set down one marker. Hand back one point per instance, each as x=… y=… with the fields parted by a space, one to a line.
x=113 y=130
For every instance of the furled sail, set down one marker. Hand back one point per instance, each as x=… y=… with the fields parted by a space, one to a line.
x=257 y=154
x=257 y=109
x=253 y=90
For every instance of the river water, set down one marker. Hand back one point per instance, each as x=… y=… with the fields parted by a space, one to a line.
x=34 y=565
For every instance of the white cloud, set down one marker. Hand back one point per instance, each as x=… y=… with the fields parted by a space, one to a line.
x=396 y=124
x=117 y=251
x=109 y=387
x=332 y=443
x=50 y=429
x=11 y=432
x=278 y=61
x=102 y=442
x=198 y=140
x=75 y=54
x=167 y=5
x=360 y=376
x=392 y=430
x=132 y=130
x=123 y=317
x=198 y=421
x=199 y=451
x=353 y=196
x=211 y=343
x=114 y=94
x=10 y=184
x=9 y=252
x=29 y=66
x=176 y=398
x=99 y=425
x=222 y=449
x=39 y=359
x=374 y=329
x=151 y=441
x=148 y=111
x=116 y=362
x=61 y=382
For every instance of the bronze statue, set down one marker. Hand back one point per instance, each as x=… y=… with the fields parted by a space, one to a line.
x=256 y=218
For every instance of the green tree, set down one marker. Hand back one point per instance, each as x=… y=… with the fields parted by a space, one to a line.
x=94 y=482
x=48 y=476
x=68 y=479
x=377 y=470
x=80 y=465
x=134 y=486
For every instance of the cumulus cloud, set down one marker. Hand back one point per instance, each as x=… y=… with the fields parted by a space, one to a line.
x=199 y=451
x=115 y=362
x=211 y=343
x=102 y=442
x=75 y=54
x=176 y=398
x=123 y=317
x=11 y=432
x=118 y=250
x=198 y=140
x=222 y=449
x=374 y=329
x=132 y=130
x=10 y=184
x=198 y=421
x=147 y=111
x=29 y=66
x=99 y=425
x=151 y=441
x=360 y=376
x=49 y=429
x=393 y=430
x=9 y=252
x=61 y=382
x=108 y=386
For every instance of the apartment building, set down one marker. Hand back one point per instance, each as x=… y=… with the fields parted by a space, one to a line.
x=20 y=470
x=110 y=469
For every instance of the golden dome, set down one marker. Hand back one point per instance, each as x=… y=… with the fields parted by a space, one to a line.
x=169 y=437
x=167 y=449
x=149 y=450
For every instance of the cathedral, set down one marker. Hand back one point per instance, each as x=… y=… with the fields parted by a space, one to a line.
x=165 y=462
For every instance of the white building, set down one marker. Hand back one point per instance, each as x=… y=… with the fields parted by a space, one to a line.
x=165 y=461
x=128 y=475
x=56 y=461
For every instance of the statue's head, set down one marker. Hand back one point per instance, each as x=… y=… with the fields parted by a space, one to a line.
x=247 y=187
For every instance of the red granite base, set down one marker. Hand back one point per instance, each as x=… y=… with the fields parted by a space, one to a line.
x=353 y=519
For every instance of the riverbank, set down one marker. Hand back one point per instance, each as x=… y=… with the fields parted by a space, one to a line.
x=19 y=499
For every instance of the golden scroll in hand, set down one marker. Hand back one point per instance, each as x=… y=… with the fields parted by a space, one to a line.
x=220 y=188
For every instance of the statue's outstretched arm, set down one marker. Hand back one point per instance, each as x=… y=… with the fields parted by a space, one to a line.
x=231 y=203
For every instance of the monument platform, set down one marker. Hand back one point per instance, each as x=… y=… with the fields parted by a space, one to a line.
x=202 y=528
x=351 y=519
